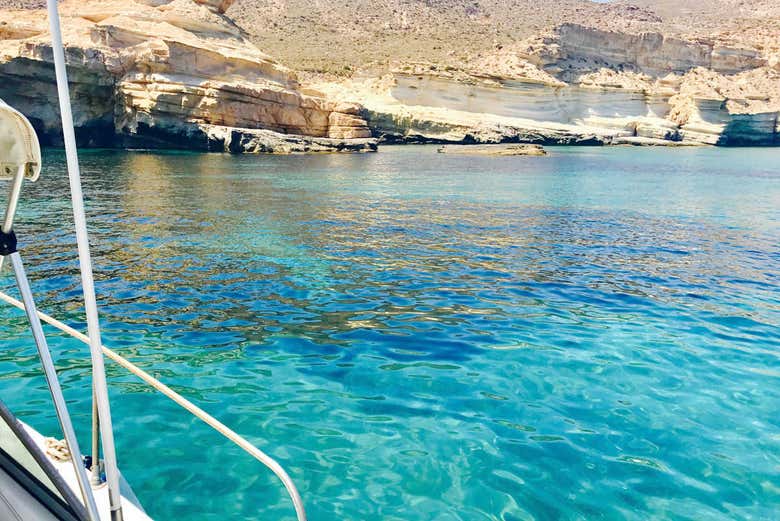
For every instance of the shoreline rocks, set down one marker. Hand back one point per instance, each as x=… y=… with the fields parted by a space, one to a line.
x=259 y=141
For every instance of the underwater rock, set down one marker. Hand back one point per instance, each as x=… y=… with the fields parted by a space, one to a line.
x=494 y=150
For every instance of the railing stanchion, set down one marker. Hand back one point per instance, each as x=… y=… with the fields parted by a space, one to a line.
x=85 y=264
x=193 y=409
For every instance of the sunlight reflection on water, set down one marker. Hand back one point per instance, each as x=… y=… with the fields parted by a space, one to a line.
x=420 y=336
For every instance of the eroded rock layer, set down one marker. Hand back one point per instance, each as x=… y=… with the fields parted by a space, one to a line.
x=166 y=73
x=581 y=85
x=578 y=46
x=712 y=91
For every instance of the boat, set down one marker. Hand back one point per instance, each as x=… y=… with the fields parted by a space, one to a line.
x=47 y=478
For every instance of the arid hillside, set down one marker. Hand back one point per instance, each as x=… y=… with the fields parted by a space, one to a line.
x=331 y=36
x=337 y=37
x=342 y=36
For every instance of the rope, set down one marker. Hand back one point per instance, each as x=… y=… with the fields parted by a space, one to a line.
x=57 y=449
x=196 y=411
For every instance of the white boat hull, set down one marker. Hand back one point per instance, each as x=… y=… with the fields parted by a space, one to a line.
x=131 y=507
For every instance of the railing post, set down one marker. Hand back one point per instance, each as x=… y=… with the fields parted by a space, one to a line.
x=54 y=386
x=184 y=403
x=85 y=264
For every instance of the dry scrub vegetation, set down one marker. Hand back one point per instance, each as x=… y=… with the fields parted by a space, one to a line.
x=341 y=36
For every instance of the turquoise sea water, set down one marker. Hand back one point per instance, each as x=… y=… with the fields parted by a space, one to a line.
x=415 y=336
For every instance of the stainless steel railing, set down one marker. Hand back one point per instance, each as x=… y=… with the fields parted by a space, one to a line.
x=193 y=409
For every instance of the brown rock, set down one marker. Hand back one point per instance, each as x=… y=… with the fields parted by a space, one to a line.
x=219 y=6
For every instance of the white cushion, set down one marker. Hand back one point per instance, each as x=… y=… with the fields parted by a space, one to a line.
x=18 y=144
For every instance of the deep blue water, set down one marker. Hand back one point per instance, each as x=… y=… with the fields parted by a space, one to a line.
x=415 y=336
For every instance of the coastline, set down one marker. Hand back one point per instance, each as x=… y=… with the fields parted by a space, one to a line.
x=182 y=75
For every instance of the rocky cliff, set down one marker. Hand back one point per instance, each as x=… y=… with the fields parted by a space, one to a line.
x=174 y=74
x=717 y=92
x=579 y=84
x=577 y=47
x=179 y=73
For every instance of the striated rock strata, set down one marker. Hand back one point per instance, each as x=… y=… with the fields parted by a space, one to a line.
x=713 y=92
x=581 y=85
x=174 y=74
x=396 y=122
x=575 y=46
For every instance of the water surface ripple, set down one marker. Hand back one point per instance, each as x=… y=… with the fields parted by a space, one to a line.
x=589 y=335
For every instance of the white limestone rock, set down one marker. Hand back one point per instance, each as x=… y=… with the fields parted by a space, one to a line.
x=157 y=74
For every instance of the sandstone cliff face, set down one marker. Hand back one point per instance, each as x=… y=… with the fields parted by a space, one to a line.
x=578 y=47
x=581 y=85
x=166 y=73
x=717 y=93
x=397 y=122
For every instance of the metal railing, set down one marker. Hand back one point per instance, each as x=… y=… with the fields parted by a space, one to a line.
x=101 y=421
x=193 y=409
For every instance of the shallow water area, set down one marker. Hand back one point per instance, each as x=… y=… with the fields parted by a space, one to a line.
x=421 y=336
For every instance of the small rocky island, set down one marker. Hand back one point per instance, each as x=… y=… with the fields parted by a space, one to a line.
x=494 y=150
